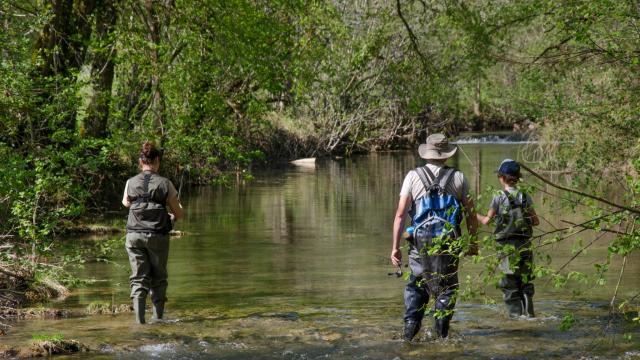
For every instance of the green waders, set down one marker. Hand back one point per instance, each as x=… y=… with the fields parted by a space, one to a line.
x=148 y=254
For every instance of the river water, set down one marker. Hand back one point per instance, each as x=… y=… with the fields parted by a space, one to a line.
x=293 y=265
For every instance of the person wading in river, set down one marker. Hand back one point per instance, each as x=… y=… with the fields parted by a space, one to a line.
x=435 y=196
x=147 y=196
x=515 y=218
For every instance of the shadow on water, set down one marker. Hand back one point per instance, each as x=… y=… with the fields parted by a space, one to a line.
x=293 y=266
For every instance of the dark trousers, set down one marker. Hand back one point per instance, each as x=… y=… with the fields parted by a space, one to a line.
x=432 y=277
x=148 y=255
x=517 y=266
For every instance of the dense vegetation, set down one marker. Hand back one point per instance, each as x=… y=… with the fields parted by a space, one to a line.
x=224 y=85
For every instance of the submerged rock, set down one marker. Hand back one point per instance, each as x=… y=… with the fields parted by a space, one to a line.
x=7 y=352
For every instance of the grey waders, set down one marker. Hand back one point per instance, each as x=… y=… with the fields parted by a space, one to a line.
x=514 y=308
x=528 y=305
x=411 y=329
x=513 y=235
x=158 y=310
x=138 y=309
x=516 y=283
x=519 y=307
x=442 y=327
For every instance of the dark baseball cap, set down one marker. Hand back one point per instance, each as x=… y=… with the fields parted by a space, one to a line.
x=509 y=167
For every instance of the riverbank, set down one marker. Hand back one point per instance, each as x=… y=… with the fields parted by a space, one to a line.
x=23 y=285
x=43 y=348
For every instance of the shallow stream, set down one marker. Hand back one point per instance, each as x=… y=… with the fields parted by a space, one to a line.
x=293 y=265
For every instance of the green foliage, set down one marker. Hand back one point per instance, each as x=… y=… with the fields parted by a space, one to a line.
x=47 y=337
x=567 y=322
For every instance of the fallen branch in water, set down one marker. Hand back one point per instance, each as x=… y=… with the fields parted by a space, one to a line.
x=577 y=192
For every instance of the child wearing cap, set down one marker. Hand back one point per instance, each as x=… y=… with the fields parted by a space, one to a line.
x=515 y=217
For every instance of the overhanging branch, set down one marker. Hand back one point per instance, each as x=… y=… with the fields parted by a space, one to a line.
x=412 y=36
x=577 y=192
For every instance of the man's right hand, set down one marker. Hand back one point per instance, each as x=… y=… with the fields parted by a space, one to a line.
x=396 y=257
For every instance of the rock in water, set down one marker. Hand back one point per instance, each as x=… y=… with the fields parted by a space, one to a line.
x=307 y=162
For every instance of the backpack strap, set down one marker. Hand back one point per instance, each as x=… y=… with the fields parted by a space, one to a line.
x=145 y=184
x=426 y=176
x=429 y=179
x=512 y=203
x=446 y=174
x=509 y=199
x=146 y=197
x=432 y=177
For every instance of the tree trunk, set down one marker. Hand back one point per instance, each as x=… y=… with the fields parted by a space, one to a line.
x=62 y=42
x=134 y=101
x=5 y=27
x=157 y=100
x=59 y=50
x=102 y=71
x=477 y=105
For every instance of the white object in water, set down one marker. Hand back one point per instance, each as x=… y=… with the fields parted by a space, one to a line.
x=308 y=162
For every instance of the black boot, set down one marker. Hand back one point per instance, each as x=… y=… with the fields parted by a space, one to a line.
x=527 y=302
x=442 y=327
x=138 y=309
x=514 y=308
x=411 y=328
x=158 y=310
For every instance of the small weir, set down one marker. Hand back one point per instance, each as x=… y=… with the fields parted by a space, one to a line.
x=496 y=139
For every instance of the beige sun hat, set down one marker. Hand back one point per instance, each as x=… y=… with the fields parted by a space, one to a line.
x=437 y=148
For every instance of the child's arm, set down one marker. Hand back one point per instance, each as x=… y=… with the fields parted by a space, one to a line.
x=486 y=219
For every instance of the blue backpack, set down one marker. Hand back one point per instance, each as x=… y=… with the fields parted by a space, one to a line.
x=437 y=214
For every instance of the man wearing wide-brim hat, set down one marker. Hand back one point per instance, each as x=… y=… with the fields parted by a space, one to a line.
x=432 y=276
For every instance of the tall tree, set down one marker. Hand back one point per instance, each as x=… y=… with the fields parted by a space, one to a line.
x=152 y=20
x=102 y=69
x=59 y=51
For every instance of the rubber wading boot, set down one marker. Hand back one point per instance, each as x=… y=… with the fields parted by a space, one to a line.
x=158 y=310
x=442 y=327
x=527 y=301
x=411 y=328
x=514 y=308
x=138 y=309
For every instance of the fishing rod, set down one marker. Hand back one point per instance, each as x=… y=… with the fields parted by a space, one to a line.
x=398 y=273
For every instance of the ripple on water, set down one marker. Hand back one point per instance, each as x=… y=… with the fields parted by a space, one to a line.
x=159 y=350
x=635 y=354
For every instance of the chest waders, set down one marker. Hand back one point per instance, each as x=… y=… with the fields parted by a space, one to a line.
x=513 y=235
x=147 y=242
x=434 y=267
